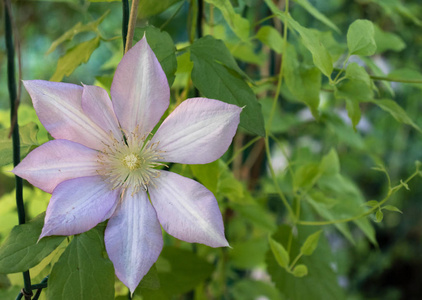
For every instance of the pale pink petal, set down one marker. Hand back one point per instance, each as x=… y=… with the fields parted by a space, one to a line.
x=198 y=131
x=77 y=205
x=139 y=92
x=58 y=106
x=187 y=210
x=56 y=161
x=133 y=238
x=97 y=105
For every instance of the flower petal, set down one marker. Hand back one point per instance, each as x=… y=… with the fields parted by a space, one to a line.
x=133 y=238
x=97 y=105
x=56 y=161
x=77 y=205
x=58 y=106
x=187 y=210
x=139 y=91
x=198 y=131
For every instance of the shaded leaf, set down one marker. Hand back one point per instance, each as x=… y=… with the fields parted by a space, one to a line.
x=214 y=77
x=396 y=111
x=379 y=216
x=317 y=14
x=387 y=41
x=149 y=8
x=22 y=250
x=82 y=272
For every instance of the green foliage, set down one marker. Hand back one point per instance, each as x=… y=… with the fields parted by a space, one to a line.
x=271 y=37
x=74 y=57
x=239 y=25
x=179 y=271
x=360 y=38
x=310 y=243
x=81 y=271
x=28 y=141
x=22 y=250
x=149 y=8
x=280 y=254
x=215 y=74
x=319 y=283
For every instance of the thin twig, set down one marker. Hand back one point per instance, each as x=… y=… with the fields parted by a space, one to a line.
x=132 y=24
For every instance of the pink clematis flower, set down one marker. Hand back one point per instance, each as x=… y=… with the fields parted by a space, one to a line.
x=103 y=163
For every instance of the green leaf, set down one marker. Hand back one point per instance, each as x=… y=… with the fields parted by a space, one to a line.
x=149 y=8
x=372 y=203
x=253 y=290
x=311 y=39
x=300 y=271
x=392 y=208
x=387 y=41
x=256 y=214
x=303 y=82
x=330 y=164
x=248 y=254
x=74 y=57
x=78 y=28
x=319 y=16
x=82 y=271
x=162 y=45
x=353 y=111
x=239 y=25
x=310 y=244
x=360 y=38
x=357 y=86
x=22 y=250
x=396 y=111
x=379 y=216
x=214 y=75
x=321 y=281
x=28 y=141
x=307 y=175
x=269 y=36
x=281 y=255
x=207 y=174
x=179 y=272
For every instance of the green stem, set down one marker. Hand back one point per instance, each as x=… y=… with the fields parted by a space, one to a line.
x=391 y=192
x=295 y=261
x=270 y=119
x=11 y=84
x=247 y=145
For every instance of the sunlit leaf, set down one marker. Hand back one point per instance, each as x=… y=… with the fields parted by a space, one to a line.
x=237 y=23
x=78 y=28
x=269 y=36
x=28 y=141
x=74 y=57
x=300 y=271
x=387 y=41
x=310 y=243
x=281 y=255
x=392 y=208
x=360 y=38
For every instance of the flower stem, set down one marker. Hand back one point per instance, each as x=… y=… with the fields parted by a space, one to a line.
x=11 y=84
x=125 y=21
x=132 y=24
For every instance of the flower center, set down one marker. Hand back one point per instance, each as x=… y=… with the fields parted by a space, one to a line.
x=130 y=163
